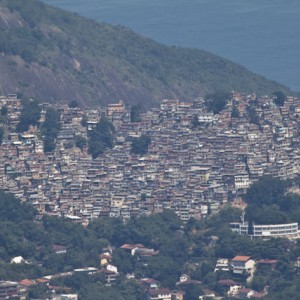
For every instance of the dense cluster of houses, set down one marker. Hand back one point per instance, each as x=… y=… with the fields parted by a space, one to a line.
x=190 y=168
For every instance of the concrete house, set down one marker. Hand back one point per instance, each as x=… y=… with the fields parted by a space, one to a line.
x=242 y=264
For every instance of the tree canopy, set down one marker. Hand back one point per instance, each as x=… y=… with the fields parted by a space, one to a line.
x=51 y=128
x=217 y=101
x=80 y=142
x=279 y=98
x=30 y=115
x=135 y=112
x=140 y=145
x=1 y=134
x=101 y=137
x=270 y=202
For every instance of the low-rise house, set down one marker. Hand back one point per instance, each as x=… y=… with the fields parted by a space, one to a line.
x=159 y=294
x=105 y=258
x=25 y=284
x=207 y=294
x=222 y=264
x=112 y=268
x=86 y=270
x=143 y=251
x=178 y=295
x=231 y=285
x=267 y=262
x=130 y=247
x=188 y=282
x=245 y=293
x=149 y=283
x=59 y=249
x=110 y=276
x=65 y=297
x=184 y=277
x=8 y=289
x=242 y=264
x=18 y=260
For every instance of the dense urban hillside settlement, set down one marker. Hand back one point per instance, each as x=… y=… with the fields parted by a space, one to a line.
x=119 y=162
x=54 y=55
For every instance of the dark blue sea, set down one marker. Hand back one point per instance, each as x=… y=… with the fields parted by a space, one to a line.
x=263 y=35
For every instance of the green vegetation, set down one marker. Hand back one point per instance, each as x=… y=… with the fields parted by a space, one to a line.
x=135 y=113
x=216 y=102
x=1 y=134
x=235 y=112
x=3 y=111
x=11 y=210
x=73 y=104
x=192 y=248
x=270 y=202
x=84 y=121
x=279 y=98
x=80 y=142
x=30 y=115
x=100 y=61
x=39 y=291
x=93 y=287
x=253 y=117
x=21 y=235
x=101 y=137
x=195 y=122
x=50 y=129
x=140 y=145
x=268 y=190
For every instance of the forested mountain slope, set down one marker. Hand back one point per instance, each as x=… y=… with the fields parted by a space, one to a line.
x=54 y=55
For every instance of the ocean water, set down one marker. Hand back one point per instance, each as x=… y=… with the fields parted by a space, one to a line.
x=262 y=35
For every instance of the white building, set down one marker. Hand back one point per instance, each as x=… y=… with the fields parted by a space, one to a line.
x=242 y=264
x=69 y=297
x=242 y=181
x=290 y=230
x=207 y=117
x=234 y=290
x=222 y=265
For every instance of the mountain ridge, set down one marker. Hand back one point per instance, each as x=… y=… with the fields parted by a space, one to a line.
x=54 y=55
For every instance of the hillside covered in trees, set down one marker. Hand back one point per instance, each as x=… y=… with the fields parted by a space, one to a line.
x=54 y=55
x=192 y=248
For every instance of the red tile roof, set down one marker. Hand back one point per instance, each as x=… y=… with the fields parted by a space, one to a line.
x=267 y=261
x=42 y=280
x=27 y=282
x=227 y=282
x=241 y=258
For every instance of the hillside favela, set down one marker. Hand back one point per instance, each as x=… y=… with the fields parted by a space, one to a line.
x=185 y=197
